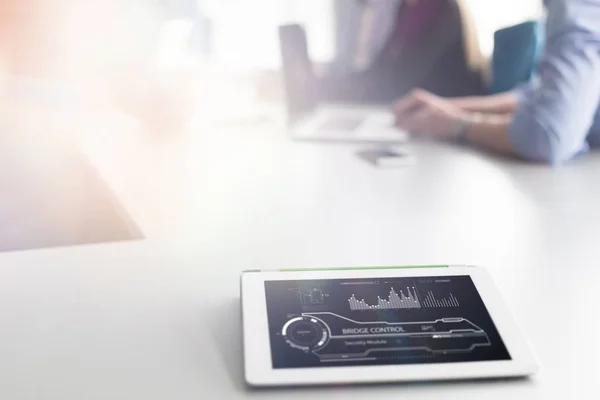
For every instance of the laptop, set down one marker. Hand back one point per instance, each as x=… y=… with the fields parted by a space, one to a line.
x=308 y=119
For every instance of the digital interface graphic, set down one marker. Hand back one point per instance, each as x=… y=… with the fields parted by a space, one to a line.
x=342 y=322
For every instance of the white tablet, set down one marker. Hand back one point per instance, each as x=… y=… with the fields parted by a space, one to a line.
x=364 y=325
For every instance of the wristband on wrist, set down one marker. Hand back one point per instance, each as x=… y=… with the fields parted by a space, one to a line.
x=459 y=130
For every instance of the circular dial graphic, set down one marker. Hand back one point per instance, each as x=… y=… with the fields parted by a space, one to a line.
x=305 y=333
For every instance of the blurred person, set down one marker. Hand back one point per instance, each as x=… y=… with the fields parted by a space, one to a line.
x=405 y=44
x=552 y=119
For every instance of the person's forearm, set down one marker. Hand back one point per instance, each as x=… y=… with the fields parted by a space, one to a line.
x=503 y=103
x=490 y=132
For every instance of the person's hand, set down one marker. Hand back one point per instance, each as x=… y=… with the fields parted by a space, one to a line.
x=423 y=113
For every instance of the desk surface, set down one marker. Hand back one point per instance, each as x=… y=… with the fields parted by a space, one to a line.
x=160 y=318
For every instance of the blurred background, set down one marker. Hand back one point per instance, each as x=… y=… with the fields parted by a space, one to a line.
x=120 y=50
x=102 y=102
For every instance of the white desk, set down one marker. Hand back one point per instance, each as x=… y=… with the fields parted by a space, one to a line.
x=50 y=194
x=159 y=319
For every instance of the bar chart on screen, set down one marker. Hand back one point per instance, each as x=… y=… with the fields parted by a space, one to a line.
x=394 y=301
x=431 y=301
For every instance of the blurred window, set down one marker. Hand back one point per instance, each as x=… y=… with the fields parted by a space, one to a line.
x=244 y=33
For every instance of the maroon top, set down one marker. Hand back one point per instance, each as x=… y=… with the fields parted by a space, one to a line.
x=411 y=21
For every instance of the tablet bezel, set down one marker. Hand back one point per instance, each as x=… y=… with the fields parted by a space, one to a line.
x=257 y=348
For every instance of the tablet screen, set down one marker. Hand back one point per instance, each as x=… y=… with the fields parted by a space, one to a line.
x=382 y=321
